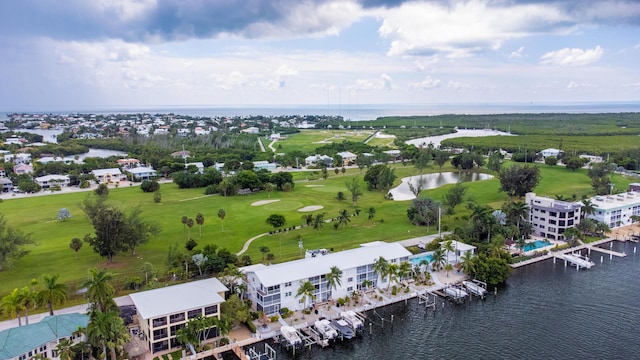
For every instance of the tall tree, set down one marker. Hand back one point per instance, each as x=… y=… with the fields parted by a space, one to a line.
x=276 y=220
x=371 y=213
x=381 y=267
x=264 y=250
x=221 y=215
x=587 y=208
x=54 y=293
x=438 y=259
x=12 y=244
x=344 y=217
x=190 y=224
x=29 y=299
x=334 y=277
x=306 y=291
x=99 y=290
x=318 y=222
x=75 y=245
x=11 y=304
x=268 y=187
x=184 y=220
x=200 y=221
x=107 y=330
x=353 y=186
x=454 y=197
x=137 y=230
x=65 y=350
x=518 y=180
x=441 y=158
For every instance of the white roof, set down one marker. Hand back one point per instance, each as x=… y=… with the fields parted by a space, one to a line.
x=309 y=267
x=140 y=170
x=460 y=246
x=611 y=202
x=101 y=172
x=347 y=154
x=52 y=177
x=173 y=299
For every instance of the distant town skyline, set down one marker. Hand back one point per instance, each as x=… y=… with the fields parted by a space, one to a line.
x=103 y=54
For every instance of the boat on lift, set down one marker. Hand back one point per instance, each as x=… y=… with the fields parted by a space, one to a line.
x=578 y=260
x=455 y=293
x=290 y=334
x=343 y=328
x=350 y=317
x=323 y=326
x=475 y=288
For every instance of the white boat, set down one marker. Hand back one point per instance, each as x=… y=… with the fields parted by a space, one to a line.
x=475 y=288
x=576 y=259
x=291 y=336
x=343 y=328
x=353 y=320
x=455 y=293
x=324 y=328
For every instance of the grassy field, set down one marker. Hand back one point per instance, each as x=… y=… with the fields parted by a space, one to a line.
x=243 y=221
x=309 y=140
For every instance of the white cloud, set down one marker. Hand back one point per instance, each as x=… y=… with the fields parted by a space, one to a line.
x=125 y=10
x=465 y=27
x=575 y=85
x=428 y=83
x=516 y=54
x=384 y=83
x=572 y=57
x=457 y=85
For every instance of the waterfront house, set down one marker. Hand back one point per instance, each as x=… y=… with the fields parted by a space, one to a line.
x=318 y=160
x=107 y=176
x=142 y=173
x=41 y=338
x=274 y=287
x=23 y=169
x=128 y=163
x=616 y=210
x=162 y=312
x=48 y=181
x=549 y=218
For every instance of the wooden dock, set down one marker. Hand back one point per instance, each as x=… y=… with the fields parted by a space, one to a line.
x=558 y=254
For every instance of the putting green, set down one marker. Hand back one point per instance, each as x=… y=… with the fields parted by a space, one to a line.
x=286 y=205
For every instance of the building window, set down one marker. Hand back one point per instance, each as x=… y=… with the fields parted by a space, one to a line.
x=160 y=346
x=194 y=313
x=160 y=321
x=350 y=279
x=350 y=288
x=175 y=328
x=159 y=334
x=213 y=309
x=287 y=284
x=287 y=294
x=176 y=318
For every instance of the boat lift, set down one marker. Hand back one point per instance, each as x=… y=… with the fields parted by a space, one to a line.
x=476 y=287
x=268 y=354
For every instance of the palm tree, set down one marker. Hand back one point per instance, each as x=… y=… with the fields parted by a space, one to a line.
x=200 y=221
x=318 y=222
x=184 y=224
x=221 y=215
x=404 y=270
x=343 y=217
x=448 y=268
x=75 y=245
x=467 y=264
x=438 y=259
x=381 y=267
x=392 y=274
x=448 y=247
x=53 y=292
x=64 y=349
x=268 y=187
x=190 y=224
x=28 y=298
x=99 y=289
x=107 y=330
x=481 y=219
x=572 y=235
x=307 y=290
x=308 y=219
x=334 y=277
x=587 y=208
x=516 y=211
x=264 y=250
x=11 y=305
x=366 y=283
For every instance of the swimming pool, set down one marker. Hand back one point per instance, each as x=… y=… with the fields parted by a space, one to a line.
x=536 y=245
x=416 y=260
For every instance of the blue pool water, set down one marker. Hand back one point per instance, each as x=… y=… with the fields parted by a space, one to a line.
x=536 y=245
x=417 y=260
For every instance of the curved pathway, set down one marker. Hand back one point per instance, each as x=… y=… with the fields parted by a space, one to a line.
x=248 y=243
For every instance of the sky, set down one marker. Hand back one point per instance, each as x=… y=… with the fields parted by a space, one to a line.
x=109 y=54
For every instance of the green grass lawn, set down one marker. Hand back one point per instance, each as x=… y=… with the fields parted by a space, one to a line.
x=309 y=140
x=37 y=215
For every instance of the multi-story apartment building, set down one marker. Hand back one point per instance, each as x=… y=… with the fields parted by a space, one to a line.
x=616 y=210
x=162 y=312
x=549 y=218
x=274 y=287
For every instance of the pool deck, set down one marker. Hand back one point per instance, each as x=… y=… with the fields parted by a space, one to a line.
x=593 y=246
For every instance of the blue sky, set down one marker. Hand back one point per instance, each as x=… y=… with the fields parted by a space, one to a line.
x=108 y=54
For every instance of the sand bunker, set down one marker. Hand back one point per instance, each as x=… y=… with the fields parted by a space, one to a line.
x=264 y=202
x=313 y=185
x=311 y=208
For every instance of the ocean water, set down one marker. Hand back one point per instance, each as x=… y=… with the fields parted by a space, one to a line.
x=363 y=112
x=545 y=311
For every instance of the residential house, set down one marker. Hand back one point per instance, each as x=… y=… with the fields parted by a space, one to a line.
x=108 y=176
x=23 y=169
x=6 y=184
x=2 y=173
x=181 y=154
x=128 y=163
x=616 y=210
x=549 y=218
x=142 y=173
x=251 y=130
x=260 y=165
x=550 y=152
x=347 y=157
x=274 y=287
x=162 y=312
x=41 y=338
x=49 y=181
x=318 y=160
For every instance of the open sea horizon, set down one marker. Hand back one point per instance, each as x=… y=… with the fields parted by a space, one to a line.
x=359 y=112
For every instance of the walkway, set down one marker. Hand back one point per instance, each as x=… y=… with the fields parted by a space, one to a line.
x=271 y=146
x=261 y=145
x=589 y=246
x=247 y=243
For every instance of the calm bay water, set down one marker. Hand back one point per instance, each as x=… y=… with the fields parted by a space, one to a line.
x=545 y=311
